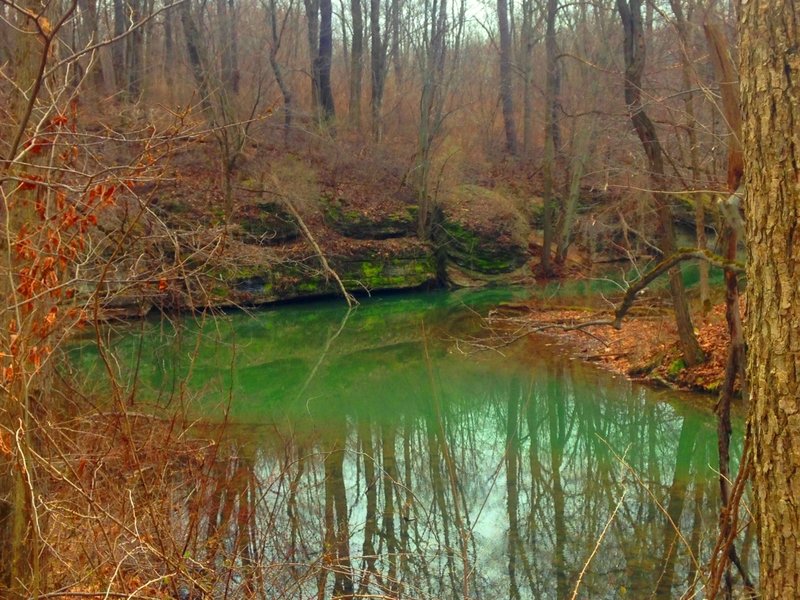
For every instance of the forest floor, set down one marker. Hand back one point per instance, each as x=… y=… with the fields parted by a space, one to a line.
x=644 y=349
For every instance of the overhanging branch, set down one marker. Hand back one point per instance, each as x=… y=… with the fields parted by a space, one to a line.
x=664 y=266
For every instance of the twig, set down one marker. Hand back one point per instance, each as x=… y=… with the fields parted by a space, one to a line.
x=349 y=298
x=597 y=545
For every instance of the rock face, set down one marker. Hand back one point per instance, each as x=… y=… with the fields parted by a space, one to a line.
x=365 y=267
x=353 y=223
x=482 y=234
x=368 y=236
x=267 y=223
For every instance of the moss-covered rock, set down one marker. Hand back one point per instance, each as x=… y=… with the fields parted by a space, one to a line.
x=368 y=225
x=684 y=206
x=368 y=266
x=482 y=231
x=266 y=223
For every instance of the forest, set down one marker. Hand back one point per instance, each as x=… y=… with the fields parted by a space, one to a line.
x=399 y=299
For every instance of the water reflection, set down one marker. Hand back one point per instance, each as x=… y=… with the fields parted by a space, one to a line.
x=376 y=460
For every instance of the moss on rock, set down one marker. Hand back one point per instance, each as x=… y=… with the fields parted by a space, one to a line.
x=352 y=223
x=483 y=231
x=267 y=223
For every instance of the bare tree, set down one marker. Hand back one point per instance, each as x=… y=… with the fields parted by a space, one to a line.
x=356 y=63
x=506 y=90
x=276 y=37
x=377 y=68
x=634 y=51
x=322 y=63
x=552 y=133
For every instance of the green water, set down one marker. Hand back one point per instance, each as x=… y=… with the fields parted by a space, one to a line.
x=613 y=281
x=378 y=453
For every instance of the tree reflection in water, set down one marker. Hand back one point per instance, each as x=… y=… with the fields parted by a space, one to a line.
x=404 y=468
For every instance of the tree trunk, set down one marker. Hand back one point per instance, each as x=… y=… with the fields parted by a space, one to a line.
x=691 y=133
x=527 y=74
x=89 y=27
x=312 y=16
x=323 y=65
x=735 y=364
x=191 y=36
x=552 y=136
x=506 y=90
x=133 y=55
x=168 y=63
x=286 y=91
x=378 y=69
x=395 y=9
x=634 y=50
x=356 y=63
x=227 y=43
x=118 y=47
x=581 y=151
x=770 y=92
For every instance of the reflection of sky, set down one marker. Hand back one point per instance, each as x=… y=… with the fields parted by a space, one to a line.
x=304 y=377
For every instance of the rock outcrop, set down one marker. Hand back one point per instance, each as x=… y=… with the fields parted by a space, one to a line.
x=483 y=236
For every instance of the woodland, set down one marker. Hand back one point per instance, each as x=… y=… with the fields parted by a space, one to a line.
x=179 y=178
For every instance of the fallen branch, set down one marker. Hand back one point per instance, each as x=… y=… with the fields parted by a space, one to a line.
x=349 y=298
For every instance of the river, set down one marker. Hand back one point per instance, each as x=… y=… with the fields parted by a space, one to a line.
x=380 y=453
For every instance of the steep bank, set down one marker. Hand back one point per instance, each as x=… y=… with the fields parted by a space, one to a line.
x=291 y=229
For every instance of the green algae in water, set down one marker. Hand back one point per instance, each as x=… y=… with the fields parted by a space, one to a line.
x=443 y=470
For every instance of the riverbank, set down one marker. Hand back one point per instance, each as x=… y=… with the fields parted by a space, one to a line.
x=645 y=348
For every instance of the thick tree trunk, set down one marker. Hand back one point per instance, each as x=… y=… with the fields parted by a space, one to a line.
x=506 y=90
x=634 y=49
x=735 y=366
x=312 y=17
x=191 y=36
x=323 y=68
x=770 y=91
x=377 y=68
x=356 y=63
x=395 y=9
x=228 y=46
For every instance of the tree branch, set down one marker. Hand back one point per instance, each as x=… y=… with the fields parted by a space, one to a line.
x=664 y=266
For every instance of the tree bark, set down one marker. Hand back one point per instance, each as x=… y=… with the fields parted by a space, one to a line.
x=323 y=63
x=356 y=63
x=770 y=93
x=634 y=50
x=168 y=63
x=118 y=47
x=191 y=36
x=377 y=68
x=228 y=46
x=395 y=9
x=312 y=17
x=552 y=136
x=286 y=91
x=506 y=90
x=133 y=55
x=527 y=74
x=682 y=26
x=735 y=364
